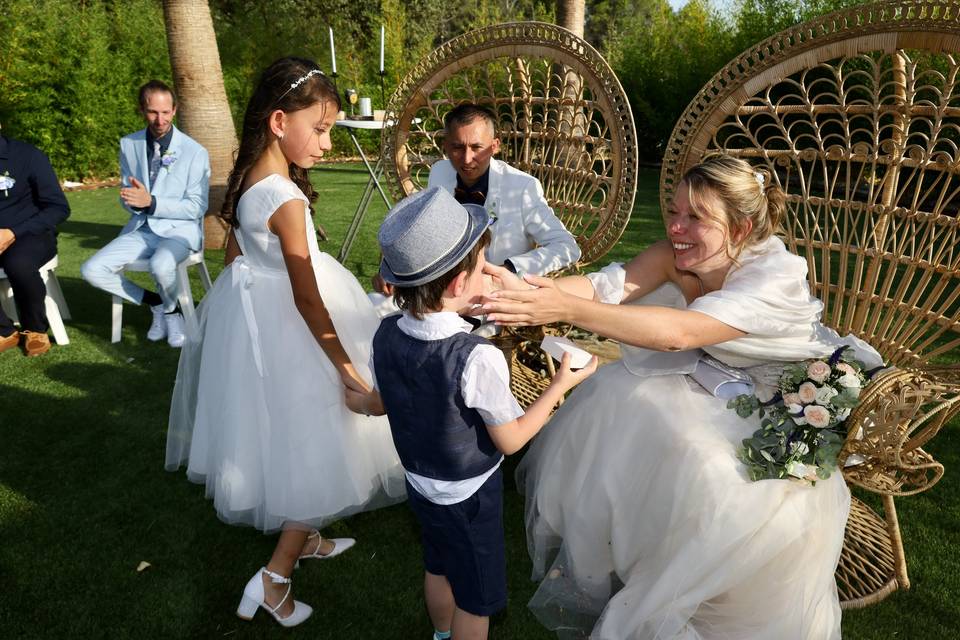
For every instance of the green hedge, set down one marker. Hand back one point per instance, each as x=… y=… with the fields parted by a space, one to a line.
x=70 y=69
x=69 y=73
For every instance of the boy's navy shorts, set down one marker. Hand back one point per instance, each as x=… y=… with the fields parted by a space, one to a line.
x=464 y=543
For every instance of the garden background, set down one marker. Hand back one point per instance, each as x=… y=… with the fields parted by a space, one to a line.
x=70 y=69
x=83 y=495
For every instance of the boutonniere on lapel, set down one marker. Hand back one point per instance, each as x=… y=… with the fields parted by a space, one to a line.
x=6 y=183
x=492 y=213
x=167 y=159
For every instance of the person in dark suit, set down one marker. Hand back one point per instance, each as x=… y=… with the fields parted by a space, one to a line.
x=32 y=204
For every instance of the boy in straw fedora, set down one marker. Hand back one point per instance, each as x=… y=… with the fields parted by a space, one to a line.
x=446 y=393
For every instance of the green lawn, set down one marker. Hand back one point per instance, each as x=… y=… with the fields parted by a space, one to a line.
x=84 y=497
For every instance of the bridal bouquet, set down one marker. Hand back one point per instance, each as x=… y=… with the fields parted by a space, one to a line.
x=803 y=426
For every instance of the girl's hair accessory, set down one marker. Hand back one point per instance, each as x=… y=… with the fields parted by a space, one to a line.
x=299 y=81
x=759 y=178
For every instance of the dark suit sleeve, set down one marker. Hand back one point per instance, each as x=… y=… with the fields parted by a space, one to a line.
x=48 y=196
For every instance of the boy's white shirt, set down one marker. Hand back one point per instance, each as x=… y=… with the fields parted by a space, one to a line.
x=485 y=384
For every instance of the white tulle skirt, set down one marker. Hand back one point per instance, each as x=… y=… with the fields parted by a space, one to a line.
x=258 y=413
x=642 y=523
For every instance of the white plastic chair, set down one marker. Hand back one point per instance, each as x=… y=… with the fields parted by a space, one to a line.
x=55 y=304
x=184 y=295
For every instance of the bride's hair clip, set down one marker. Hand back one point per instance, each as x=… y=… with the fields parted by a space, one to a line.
x=299 y=81
x=759 y=178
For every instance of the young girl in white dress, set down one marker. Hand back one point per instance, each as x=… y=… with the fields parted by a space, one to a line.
x=641 y=521
x=258 y=412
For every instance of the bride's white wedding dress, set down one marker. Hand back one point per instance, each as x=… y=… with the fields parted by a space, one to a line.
x=641 y=521
x=258 y=412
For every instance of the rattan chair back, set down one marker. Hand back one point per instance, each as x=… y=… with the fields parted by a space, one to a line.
x=857 y=116
x=561 y=113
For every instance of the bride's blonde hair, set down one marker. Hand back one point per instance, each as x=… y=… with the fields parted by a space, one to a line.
x=749 y=197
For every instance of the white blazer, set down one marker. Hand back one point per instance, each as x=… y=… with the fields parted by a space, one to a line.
x=526 y=232
x=181 y=189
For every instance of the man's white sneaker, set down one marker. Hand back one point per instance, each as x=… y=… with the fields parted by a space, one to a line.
x=175 y=335
x=158 y=328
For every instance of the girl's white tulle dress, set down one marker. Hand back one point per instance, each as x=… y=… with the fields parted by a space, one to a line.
x=258 y=411
x=642 y=523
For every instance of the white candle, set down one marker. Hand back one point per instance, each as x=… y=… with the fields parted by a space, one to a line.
x=333 y=53
x=381 y=48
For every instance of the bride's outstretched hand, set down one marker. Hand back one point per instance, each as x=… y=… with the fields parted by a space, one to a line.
x=542 y=304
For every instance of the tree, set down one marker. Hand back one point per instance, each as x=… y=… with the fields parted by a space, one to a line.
x=571 y=15
x=203 y=108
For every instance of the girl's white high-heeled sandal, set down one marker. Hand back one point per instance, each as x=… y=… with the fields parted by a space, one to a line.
x=253 y=599
x=339 y=546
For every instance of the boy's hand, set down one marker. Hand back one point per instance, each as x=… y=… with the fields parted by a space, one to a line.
x=566 y=378
x=381 y=286
x=503 y=278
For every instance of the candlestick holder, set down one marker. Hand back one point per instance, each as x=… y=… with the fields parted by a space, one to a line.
x=383 y=95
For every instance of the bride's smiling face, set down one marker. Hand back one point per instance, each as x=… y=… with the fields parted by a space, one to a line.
x=698 y=235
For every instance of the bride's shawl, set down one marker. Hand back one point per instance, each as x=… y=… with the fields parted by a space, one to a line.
x=766 y=296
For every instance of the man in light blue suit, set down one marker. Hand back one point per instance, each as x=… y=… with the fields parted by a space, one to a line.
x=165 y=178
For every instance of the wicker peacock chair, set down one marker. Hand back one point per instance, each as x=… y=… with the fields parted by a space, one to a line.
x=857 y=115
x=562 y=116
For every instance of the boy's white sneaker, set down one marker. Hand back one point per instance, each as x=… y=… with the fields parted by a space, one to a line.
x=158 y=327
x=175 y=334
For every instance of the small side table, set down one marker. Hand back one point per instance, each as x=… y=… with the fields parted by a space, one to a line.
x=373 y=183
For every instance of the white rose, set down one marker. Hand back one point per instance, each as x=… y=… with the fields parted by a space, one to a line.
x=825 y=394
x=850 y=380
x=818 y=371
x=807 y=392
x=816 y=416
x=794 y=409
x=843 y=413
x=799 y=447
x=800 y=470
x=845 y=368
x=791 y=398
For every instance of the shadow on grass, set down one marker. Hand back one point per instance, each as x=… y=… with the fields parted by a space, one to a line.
x=90 y=235
x=84 y=499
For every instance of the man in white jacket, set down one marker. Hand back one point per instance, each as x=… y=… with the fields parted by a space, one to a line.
x=527 y=236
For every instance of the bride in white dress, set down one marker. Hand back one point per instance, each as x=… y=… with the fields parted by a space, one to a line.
x=258 y=412
x=641 y=521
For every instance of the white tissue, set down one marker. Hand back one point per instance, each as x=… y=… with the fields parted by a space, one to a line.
x=556 y=347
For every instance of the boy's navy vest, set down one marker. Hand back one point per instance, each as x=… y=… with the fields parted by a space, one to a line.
x=435 y=433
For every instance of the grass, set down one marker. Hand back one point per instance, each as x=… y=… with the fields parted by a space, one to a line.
x=84 y=497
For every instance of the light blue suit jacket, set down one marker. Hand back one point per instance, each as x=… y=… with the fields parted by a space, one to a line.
x=181 y=188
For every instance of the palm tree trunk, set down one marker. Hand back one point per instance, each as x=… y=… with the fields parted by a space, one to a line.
x=203 y=110
x=571 y=117
x=571 y=15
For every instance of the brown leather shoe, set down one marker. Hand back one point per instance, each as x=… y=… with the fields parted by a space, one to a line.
x=35 y=344
x=10 y=341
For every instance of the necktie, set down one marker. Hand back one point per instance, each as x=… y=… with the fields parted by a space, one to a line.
x=155 y=161
x=465 y=196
